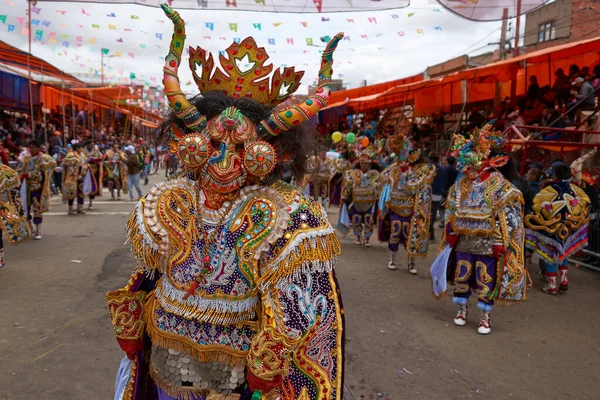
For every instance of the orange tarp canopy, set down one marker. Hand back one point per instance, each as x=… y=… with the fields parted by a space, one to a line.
x=53 y=98
x=111 y=93
x=14 y=57
x=343 y=96
x=440 y=94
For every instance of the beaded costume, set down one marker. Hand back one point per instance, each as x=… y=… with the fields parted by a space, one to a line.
x=115 y=171
x=323 y=169
x=234 y=294
x=558 y=226
x=405 y=205
x=482 y=248
x=339 y=168
x=360 y=188
x=37 y=171
x=13 y=223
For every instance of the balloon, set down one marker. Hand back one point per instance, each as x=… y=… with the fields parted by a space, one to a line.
x=336 y=137
x=350 y=137
x=364 y=141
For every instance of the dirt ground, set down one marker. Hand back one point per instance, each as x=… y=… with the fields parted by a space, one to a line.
x=56 y=341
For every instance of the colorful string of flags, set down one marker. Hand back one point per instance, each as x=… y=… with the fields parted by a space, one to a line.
x=51 y=33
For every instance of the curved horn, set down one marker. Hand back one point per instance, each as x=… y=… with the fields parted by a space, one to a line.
x=177 y=100
x=284 y=120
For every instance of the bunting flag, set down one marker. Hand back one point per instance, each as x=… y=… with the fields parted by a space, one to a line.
x=210 y=25
x=274 y=6
x=257 y=26
x=304 y=24
x=3 y=19
x=309 y=42
x=233 y=27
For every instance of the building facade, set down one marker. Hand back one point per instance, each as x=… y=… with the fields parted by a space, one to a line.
x=560 y=22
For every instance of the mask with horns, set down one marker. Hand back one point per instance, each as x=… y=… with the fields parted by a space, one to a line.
x=230 y=151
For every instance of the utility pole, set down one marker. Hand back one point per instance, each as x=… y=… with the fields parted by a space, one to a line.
x=518 y=29
x=502 y=53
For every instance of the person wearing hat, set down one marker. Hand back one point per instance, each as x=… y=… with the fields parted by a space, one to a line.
x=359 y=193
x=557 y=226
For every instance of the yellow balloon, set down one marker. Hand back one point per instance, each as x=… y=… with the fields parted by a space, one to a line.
x=336 y=136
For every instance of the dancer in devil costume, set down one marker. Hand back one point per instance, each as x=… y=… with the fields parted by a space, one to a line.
x=234 y=295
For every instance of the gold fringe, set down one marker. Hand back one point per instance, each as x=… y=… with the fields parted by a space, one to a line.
x=326 y=249
x=128 y=395
x=187 y=392
x=205 y=353
x=146 y=257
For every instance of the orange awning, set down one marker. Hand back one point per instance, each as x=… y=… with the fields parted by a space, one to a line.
x=440 y=94
x=112 y=93
x=14 y=57
x=350 y=94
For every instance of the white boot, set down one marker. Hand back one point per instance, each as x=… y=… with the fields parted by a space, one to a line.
x=412 y=269
x=357 y=240
x=485 y=323
x=367 y=243
x=461 y=316
x=392 y=262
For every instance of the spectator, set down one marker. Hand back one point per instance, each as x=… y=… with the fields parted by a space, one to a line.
x=584 y=98
x=439 y=189
x=533 y=92
x=476 y=119
x=561 y=86
x=534 y=177
x=574 y=72
x=134 y=167
x=585 y=72
x=452 y=174
x=596 y=77
x=55 y=142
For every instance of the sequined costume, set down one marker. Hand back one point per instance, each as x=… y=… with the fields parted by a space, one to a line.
x=115 y=171
x=13 y=224
x=323 y=170
x=360 y=191
x=558 y=227
x=405 y=205
x=339 y=168
x=482 y=247
x=37 y=171
x=96 y=166
x=234 y=294
x=72 y=181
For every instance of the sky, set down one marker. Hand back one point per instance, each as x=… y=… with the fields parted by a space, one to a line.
x=380 y=45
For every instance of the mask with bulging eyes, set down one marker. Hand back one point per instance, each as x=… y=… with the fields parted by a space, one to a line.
x=230 y=151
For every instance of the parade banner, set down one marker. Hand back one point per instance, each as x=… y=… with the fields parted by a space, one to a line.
x=271 y=6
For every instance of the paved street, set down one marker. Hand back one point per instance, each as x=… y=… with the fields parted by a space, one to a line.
x=56 y=341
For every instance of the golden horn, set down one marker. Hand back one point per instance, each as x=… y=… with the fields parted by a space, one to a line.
x=284 y=120
x=177 y=100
